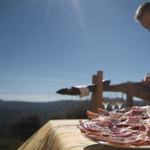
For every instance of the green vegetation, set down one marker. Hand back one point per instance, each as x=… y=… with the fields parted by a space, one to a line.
x=17 y=126
x=24 y=124
x=9 y=143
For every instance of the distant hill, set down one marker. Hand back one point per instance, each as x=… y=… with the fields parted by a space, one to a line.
x=56 y=106
x=35 y=106
x=12 y=109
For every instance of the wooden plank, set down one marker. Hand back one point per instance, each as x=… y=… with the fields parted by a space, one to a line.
x=93 y=97
x=96 y=99
x=99 y=89
x=129 y=102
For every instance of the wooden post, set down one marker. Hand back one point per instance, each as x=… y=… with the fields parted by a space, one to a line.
x=129 y=101
x=93 y=98
x=96 y=101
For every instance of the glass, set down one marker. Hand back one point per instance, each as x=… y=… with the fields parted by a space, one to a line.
x=119 y=99
x=113 y=100
x=105 y=102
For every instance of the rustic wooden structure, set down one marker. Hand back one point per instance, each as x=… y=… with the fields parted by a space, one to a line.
x=96 y=100
x=132 y=89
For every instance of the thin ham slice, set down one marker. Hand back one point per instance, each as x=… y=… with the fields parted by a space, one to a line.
x=103 y=112
x=124 y=127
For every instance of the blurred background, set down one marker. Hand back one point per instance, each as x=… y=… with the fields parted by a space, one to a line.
x=52 y=44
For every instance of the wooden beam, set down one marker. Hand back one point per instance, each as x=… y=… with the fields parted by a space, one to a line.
x=99 y=89
x=93 y=97
x=129 y=101
x=96 y=100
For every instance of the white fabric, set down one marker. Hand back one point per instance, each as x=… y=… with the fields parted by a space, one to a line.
x=84 y=90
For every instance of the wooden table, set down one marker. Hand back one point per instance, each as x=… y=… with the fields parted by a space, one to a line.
x=61 y=135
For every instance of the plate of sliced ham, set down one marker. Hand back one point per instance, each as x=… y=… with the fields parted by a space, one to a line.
x=125 y=128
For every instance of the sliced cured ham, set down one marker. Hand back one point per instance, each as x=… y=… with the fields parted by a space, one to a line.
x=125 y=127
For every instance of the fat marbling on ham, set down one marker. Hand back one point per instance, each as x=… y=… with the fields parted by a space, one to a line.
x=124 y=127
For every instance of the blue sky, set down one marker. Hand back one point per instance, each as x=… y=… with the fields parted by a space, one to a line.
x=47 y=45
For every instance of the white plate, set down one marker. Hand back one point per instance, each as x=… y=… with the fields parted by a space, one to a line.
x=117 y=146
x=121 y=146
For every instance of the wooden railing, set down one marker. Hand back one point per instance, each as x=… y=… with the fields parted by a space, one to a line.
x=131 y=89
